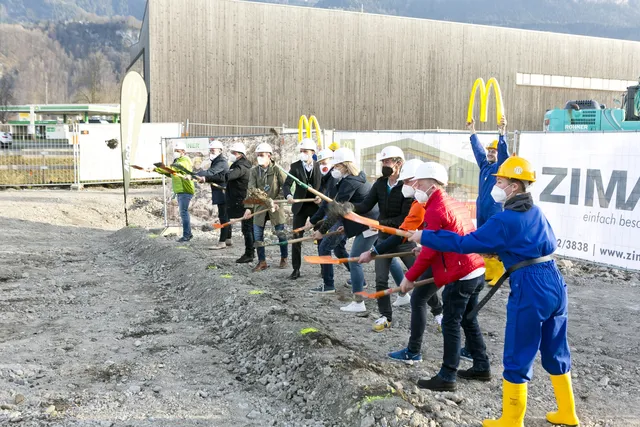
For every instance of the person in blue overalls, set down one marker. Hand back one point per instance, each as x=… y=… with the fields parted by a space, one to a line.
x=537 y=306
x=489 y=161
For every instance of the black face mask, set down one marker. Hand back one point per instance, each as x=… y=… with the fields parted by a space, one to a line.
x=387 y=171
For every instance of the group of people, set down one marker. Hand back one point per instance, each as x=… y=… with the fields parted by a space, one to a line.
x=444 y=245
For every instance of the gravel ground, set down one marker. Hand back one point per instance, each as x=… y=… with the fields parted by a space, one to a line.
x=106 y=326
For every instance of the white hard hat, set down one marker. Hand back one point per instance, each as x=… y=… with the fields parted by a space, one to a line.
x=391 y=152
x=264 y=148
x=179 y=145
x=238 y=147
x=408 y=170
x=307 y=144
x=215 y=144
x=343 y=155
x=325 y=154
x=432 y=170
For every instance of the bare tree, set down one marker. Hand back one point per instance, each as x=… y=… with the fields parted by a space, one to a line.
x=7 y=91
x=95 y=80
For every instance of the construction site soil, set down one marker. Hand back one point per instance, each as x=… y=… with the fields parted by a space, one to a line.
x=106 y=325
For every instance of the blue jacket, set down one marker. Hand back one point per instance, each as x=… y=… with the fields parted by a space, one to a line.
x=519 y=233
x=328 y=187
x=217 y=173
x=486 y=207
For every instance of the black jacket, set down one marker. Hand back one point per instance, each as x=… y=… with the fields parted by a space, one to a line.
x=353 y=189
x=394 y=207
x=329 y=187
x=297 y=170
x=237 y=184
x=217 y=173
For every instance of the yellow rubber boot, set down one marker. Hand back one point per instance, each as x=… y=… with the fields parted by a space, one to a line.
x=488 y=274
x=566 y=413
x=514 y=405
x=498 y=271
x=494 y=269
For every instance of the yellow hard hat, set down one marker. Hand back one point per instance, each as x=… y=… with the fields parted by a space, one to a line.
x=493 y=145
x=517 y=168
x=334 y=146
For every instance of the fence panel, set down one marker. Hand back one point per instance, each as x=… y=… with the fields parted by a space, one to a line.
x=44 y=158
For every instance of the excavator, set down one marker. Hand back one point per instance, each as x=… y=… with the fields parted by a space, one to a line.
x=591 y=116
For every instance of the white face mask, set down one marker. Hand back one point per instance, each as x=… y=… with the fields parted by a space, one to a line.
x=324 y=169
x=304 y=157
x=336 y=174
x=498 y=194
x=177 y=154
x=422 y=196
x=213 y=156
x=263 y=161
x=233 y=158
x=408 y=191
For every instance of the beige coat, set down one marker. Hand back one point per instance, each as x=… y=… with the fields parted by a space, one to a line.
x=271 y=182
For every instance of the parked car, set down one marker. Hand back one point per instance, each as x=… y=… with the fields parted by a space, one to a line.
x=5 y=140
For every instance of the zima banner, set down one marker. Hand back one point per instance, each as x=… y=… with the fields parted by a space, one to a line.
x=588 y=186
x=133 y=103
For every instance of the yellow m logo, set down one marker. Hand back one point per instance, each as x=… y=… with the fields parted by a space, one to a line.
x=305 y=124
x=484 y=99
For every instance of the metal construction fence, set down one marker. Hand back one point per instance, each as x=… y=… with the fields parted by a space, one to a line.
x=77 y=154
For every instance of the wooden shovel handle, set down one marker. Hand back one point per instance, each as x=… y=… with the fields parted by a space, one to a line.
x=380 y=294
x=306 y=239
x=233 y=221
x=294 y=201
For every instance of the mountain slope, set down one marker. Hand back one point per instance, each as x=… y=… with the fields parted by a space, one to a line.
x=599 y=18
x=21 y=11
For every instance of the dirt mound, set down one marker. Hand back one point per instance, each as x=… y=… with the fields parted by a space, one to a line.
x=103 y=329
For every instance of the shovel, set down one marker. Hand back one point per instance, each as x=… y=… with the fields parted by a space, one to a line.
x=233 y=221
x=327 y=259
x=380 y=294
x=184 y=173
x=372 y=223
x=287 y=242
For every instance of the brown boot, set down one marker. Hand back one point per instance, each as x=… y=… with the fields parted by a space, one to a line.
x=283 y=263
x=262 y=265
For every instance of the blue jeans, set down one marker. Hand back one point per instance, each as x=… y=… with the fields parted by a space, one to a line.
x=223 y=216
x=396 y=271
x=360 y=244
x=332 y=243
x=183 y=205
x=459 y=299
x=258 y=235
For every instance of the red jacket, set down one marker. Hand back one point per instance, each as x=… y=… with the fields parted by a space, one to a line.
x=445 y=213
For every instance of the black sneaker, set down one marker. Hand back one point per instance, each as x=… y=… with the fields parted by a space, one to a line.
x=472 y=374
x=184 y=239
x=437 y=384
x=246 y=258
